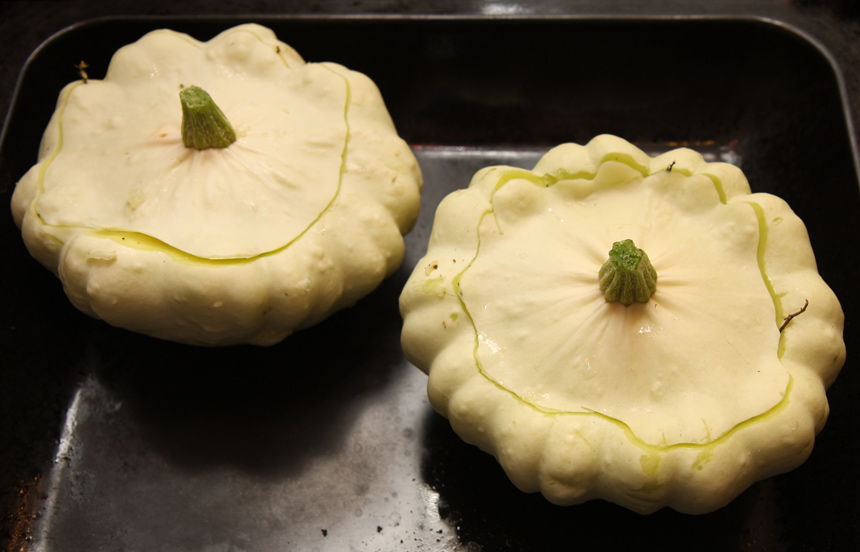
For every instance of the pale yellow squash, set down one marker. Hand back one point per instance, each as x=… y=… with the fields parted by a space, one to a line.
x=300 y=216
x=683 y=400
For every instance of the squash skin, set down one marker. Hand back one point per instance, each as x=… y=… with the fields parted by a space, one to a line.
x=573 y=457
x=261 y=290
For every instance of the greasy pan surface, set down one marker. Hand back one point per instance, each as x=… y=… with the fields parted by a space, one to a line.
x=114 y=441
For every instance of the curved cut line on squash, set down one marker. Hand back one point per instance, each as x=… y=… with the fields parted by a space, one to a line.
x=143 y=241
x=548 y=180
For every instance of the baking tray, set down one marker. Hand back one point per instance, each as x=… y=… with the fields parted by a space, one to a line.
x=115 y=441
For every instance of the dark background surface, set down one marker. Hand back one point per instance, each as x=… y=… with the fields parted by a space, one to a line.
x=25 y=24
x=793 y=139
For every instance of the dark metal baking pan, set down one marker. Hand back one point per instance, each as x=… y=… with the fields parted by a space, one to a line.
x=114 y=441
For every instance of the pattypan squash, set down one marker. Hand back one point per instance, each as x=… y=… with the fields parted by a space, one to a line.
x=611 y=325
x=219 y=192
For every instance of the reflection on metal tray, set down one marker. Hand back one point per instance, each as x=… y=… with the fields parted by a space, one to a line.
x=136 y=444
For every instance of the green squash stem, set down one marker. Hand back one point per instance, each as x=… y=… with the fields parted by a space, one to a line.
x=628 y=275
x=204 y=125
